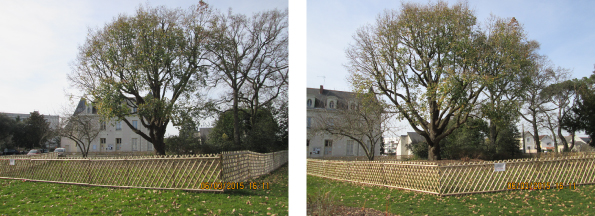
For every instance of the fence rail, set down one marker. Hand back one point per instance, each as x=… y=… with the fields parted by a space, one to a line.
x=185 y=172
x=461 y=178
x=365 y=158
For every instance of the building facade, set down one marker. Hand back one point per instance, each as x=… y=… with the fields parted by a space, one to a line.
x=54 y=120
x=319 y=102
x=115 y=136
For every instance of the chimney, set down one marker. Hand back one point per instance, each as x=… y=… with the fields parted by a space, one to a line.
x=321 y=89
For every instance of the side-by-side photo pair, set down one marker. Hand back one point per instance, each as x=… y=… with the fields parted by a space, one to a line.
x=413 y=107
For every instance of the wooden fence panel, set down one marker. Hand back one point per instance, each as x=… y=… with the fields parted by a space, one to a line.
x=461 y=178
x=187 y=172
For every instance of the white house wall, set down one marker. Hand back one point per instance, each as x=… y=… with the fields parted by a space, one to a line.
x=110 y=134
x=339 y=143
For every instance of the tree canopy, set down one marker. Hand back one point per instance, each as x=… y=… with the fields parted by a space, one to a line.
x=432 y=62
x=260 y=137
x=144 y=64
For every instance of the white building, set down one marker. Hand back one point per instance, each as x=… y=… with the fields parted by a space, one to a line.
x=115 y=136
x=579 y=144
x=406 y=140
x=54 y=120
x=546 y=142
x=391 y=144
x=319 y=101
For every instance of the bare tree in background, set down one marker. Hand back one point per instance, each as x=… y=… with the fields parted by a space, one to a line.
x=250 y=55
x=534 y=101
x=562 y=93
x=80 y=127
x=366 y=122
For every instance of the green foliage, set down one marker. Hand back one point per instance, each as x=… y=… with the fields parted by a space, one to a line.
x=583 y=117
x=260 y=137
x=419 y=149
x=37 y=130
x=187 y=141
x=469 y=141
x=7 y=131
x=507 y=142
x=466 y=141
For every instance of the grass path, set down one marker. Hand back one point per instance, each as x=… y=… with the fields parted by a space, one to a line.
x=36 y=198
x=579 y=201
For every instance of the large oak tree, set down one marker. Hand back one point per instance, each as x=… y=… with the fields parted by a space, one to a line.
x=431 y=62
x=148 y=61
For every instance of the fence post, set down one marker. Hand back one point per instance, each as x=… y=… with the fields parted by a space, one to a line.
x=128 y=173
x=221 y=174
x=89 y=170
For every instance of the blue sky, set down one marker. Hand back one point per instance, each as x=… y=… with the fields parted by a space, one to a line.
x=40 y=40
x=565 y=30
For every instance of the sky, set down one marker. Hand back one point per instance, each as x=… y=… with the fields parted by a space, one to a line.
x=564 y=29
x=40 y=40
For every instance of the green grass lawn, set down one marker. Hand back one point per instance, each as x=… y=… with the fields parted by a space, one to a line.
x=36 y=198
x=326 y=193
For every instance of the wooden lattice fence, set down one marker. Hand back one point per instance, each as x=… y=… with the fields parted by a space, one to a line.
x=462 y=178
x=185 y=172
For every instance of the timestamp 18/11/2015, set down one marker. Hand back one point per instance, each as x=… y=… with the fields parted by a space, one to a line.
x=234 y=185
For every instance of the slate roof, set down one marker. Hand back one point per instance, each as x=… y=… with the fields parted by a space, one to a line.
x=321 y=98
x=415 y=137
x=81 y=107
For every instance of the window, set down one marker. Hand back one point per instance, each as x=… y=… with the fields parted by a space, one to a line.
x=349 y=148
x=134 y=110
x=135 y=124
x=94 y=147
x=149 y=146
x=328 y=147
x=103 y=125
x=118 y=125
x=101 y=143
x=309 y=102
x=307 y=142
x=88 y=109
x=134 y=144
x=118 y=143
x=309 y=122
x=331 y=104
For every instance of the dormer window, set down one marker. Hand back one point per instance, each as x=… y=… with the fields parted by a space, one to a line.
x=331 y=104
x=309 y=102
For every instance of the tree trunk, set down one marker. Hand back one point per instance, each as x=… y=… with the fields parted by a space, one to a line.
x=555 y=140
x=572 y=145
x=433 y=151
x=536 y=135
x=157 y=141
x=562 y=139
x=493 y=136
x=236 y=119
